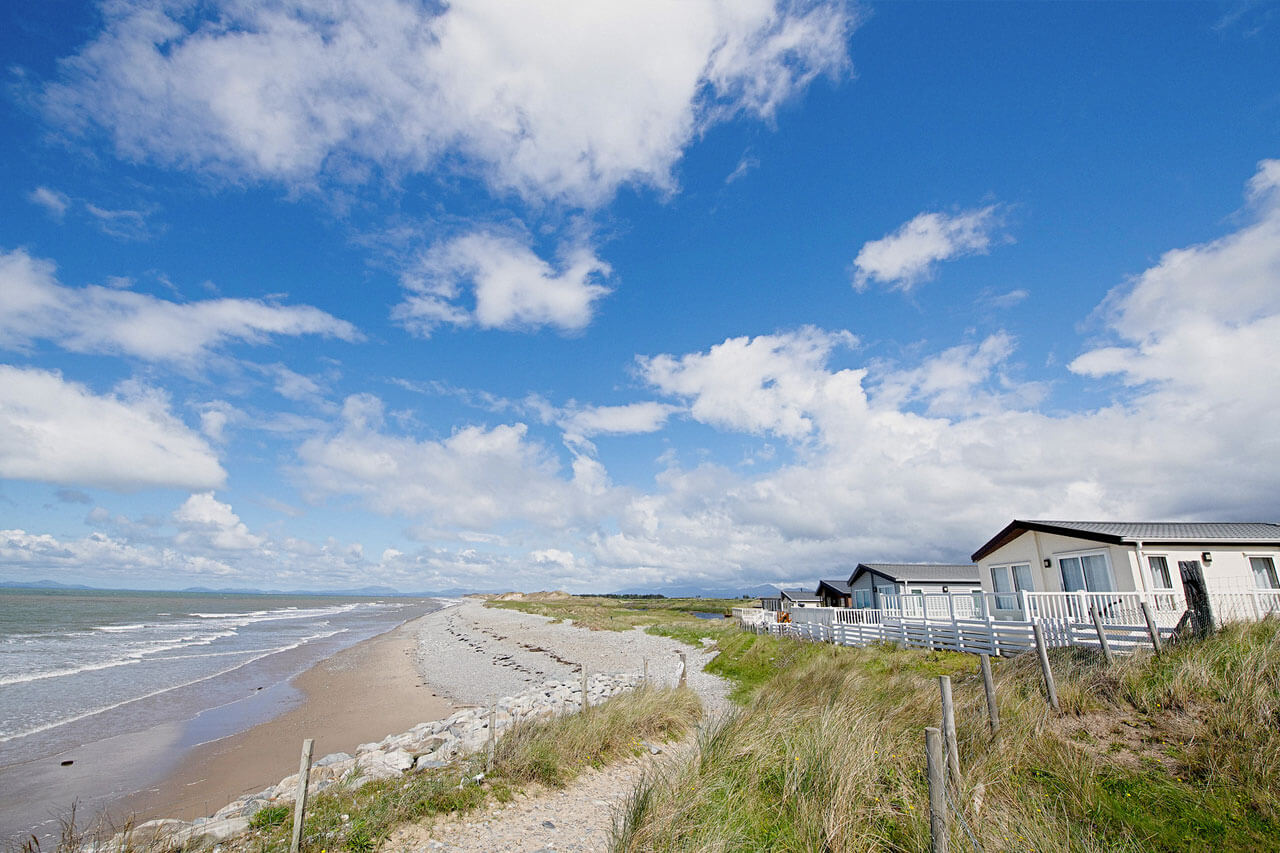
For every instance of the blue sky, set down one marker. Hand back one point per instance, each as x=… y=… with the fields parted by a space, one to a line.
x=330 y=294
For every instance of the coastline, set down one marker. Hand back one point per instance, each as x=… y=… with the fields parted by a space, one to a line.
x=358 y=695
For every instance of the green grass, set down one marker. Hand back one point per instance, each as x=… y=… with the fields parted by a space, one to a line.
x=623 y=614
x=1173 y=753
x=550 y=752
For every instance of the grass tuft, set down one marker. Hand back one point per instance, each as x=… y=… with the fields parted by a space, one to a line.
x=1177 y=752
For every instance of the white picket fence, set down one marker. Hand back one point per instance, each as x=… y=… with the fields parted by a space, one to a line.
x=961 y=622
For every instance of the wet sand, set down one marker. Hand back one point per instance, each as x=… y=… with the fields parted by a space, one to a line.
x=358 y=695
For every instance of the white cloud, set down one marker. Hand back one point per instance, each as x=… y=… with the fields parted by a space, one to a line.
x=104 y=556
x=909 y=255
x=768 y=384
x=649 y=416
x=33 y=305
x=552 y=100
x=57 y=431
x=125 y=224
x=204 y=519
x=476 y=479
x=54 y=202
x=511 y=286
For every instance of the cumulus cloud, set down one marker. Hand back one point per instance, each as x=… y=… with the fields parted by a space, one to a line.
x=770 y=384
x=511 y=286
x=910 y=255
x=55 y=203
x=550 y=100
x=476 y=479
x=104 y=556
x=95 y=319
x=57 y=431
x=205 y=519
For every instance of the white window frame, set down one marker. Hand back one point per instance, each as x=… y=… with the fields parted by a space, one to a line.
x=1014 y=586
x=1088 y=552
x=1275 y=572
x=1168 y=569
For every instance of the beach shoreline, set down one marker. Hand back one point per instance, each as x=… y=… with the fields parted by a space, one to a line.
x=357 y=695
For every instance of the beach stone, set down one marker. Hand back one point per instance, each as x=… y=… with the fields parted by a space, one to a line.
x=332 y=758
x=147 y=834
x=398 y=759
x=426 y=762
x=217 y=830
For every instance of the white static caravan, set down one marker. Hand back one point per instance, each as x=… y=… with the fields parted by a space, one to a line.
x=871 y=584
x=1165 y=560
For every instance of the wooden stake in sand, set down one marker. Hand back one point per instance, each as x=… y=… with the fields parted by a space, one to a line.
x=1102 y=635
x=684 y=670
x=300 y=807
x=938 y=814
x=949 y=730
x=1050 y=690
x=989 y=684
x=645 y=680
x=586 y=702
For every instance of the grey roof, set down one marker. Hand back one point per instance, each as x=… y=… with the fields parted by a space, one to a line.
x=837 y=585
x=1122 y=532
x=799 y=595
x=923 y=572
x=1180 y=531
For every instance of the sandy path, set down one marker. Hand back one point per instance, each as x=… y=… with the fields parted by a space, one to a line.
x=581 y=816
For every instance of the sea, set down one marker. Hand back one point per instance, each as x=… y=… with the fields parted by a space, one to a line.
x=79 y=667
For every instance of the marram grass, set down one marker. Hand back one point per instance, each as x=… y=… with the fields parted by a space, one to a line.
x=1177 y=752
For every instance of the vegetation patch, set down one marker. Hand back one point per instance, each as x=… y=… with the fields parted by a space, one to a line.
x=1170 y=753
x=550 y=752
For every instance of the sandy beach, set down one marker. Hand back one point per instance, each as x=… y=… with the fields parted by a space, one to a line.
x=462 y=655
x=358 y=695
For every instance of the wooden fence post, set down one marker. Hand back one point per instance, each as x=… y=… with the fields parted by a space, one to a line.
x=645 y=680
x=989 y=685
x=1151 y=627
x=949 y=730
x=938 y=815
x=586 y=703
x=300 y=806
x=493 y=730
x=1049 y=687
x=1102 y=635
x=684 y=670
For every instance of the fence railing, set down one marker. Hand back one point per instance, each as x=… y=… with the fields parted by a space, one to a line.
x=965 y=623
x=1113 y=608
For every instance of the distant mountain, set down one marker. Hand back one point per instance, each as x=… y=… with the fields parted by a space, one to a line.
x=41 y=585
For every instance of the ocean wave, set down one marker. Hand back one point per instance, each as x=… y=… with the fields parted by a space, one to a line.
x=85 y=715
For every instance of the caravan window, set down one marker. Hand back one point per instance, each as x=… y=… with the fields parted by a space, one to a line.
x=1089 y=572
x=1008 y=580
x=1264 y=573
x=1160 y=578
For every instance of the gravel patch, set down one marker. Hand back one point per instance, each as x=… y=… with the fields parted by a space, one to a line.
x=473 y=655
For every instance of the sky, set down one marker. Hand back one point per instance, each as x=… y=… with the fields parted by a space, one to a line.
x=595 y=296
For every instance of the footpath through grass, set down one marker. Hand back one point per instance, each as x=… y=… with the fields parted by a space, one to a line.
x=1178 y=752
x=551 y=752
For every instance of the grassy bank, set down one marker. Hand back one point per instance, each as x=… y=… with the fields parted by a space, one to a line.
x=357 y=819
x=550 y=752
x=1180 y=752
x=668 y=616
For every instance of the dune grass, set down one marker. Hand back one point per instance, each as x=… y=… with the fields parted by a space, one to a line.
x=1177 y=752
x=549 y=752
x=597 y=613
